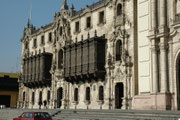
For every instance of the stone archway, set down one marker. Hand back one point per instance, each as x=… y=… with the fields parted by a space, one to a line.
x=59 y=97
x=119 y=94
x=178 y=80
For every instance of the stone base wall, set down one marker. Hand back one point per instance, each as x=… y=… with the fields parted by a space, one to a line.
x=159 y=101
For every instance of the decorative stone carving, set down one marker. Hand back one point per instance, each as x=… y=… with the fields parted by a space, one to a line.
x=120 y=73
x=121 y=69
x=118 y=32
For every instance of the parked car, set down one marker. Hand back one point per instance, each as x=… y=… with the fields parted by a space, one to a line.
x=34 y=116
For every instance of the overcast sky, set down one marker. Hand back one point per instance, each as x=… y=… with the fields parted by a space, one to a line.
x=13 y=18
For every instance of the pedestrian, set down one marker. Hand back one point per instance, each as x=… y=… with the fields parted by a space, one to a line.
x=40 y=103
x=45 y=103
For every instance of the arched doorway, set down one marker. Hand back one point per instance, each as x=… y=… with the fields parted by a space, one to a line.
x=119 y=94
x=178 y=80
x=59 y=97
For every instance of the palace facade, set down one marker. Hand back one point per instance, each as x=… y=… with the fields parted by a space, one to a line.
x=113 y=54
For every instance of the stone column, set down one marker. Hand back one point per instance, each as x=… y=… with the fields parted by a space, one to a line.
x=108 y=103
x=124 y=102
x=162 y=13
x=154 y=14
x=52 y=93
x=163 y=47
x=172 y=11
x=163 y=65
x=154 y=67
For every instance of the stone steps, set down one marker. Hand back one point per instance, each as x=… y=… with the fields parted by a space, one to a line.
x=8 y=114
x=116 y=115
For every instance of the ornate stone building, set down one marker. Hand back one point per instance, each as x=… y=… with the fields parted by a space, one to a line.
x=113 y=54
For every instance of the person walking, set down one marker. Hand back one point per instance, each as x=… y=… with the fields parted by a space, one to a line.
x=40 y=103
x=45 y=103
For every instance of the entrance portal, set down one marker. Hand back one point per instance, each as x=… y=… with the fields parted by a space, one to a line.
x=178 y=79
x=5 y=100
x=59 y=97
x=119 y=94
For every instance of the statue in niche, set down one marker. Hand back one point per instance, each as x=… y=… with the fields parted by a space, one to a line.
x=53 y=67
x=113 y=36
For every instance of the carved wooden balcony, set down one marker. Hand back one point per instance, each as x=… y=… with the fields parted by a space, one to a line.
x=85 y=60
x=37 y=72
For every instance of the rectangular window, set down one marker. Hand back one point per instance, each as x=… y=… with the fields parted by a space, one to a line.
x=77 y=26
x=42 y=39
x=88 y=22
x=50 y=37
x=101 y=17
x=35 y=43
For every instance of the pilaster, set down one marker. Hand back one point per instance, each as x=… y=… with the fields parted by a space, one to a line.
x=163 y=65
x=154 y=66
x=163 y=6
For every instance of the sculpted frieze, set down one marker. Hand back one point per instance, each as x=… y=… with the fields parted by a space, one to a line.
x=62 y=33
x=118 y=33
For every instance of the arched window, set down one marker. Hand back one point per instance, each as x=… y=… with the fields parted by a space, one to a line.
x=119 y=9
x=101 y=93
x=60 y=61
x=76 y=94
x=118 y=50
x=24 y=96
x=32 y=98
x=88 y=93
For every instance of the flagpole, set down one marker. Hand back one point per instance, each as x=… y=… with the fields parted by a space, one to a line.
x=30 y=10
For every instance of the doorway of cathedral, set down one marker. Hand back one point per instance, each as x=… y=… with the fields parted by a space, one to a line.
x=59 y=97
x=119 y=94
x=178 y=79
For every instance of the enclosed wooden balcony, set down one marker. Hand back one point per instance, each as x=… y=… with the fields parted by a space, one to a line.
x=85 y=60
x=36 y=71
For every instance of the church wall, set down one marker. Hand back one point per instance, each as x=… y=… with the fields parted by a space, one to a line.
x=47 y=45
x=101 y=29
x=82 y=103
x=143 y=47
x=138 y=45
